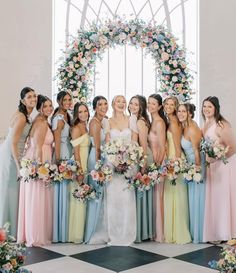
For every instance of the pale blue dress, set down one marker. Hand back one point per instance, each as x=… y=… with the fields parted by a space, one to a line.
x=95 y=208
x=61 y=190
x=9 y=187
x=196 y=196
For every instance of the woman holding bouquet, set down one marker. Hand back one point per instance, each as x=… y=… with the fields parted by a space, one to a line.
x=190 y=142
x=95 y=231
x=11 y=152
x=80 y=142
x=144 y=201
x=157 y=140
x=176 y=214
x=220 y=203
x=63 y=151
x=35 y=201
x=121 y=203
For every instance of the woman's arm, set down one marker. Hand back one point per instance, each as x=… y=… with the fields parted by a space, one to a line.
x=18 y=127
x=95 y=132
x=76 y=133
x=160 y=128
x=143 y=138
x=195 y=136
x=40 y=131
x=227 y=137
x=176 y=134
x=57 y=138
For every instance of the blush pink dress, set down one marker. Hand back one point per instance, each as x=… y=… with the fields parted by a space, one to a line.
x=220 y=203
x=35 y=202
x=158 y=194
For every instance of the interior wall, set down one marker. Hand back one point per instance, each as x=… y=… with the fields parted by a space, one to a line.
x=26 y=53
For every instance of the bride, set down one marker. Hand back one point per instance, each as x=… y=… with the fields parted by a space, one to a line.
x=121 y=208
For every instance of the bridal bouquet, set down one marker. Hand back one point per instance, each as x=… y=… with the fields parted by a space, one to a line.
x=214 y=149
x=68 y=170
x=192 y=172
x=174 y=167
x=102 y=173
x=12 y=255
x=227 y=263
x=84 y=192
x=156 y=173
x=141 y=182
x=124 y=155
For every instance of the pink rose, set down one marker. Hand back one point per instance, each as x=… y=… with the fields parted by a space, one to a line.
x=3 y=235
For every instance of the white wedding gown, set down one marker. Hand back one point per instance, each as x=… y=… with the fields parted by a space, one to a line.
x=121 y=204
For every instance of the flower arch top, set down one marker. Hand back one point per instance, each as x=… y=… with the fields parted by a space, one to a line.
x=74 y=74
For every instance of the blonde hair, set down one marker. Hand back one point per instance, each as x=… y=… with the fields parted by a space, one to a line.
x=175 y=100
x=113 y=101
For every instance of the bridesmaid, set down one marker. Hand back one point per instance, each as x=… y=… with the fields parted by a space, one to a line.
x=80 y=142
x=35 y=205
x=63 y=150
x=157 y=140
x=144 y=203
x=220 y=203
x=190 y=142
x=176 y=220
x=11 y=152
x=95 y=226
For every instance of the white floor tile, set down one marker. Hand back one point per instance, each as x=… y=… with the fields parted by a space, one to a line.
x=70 y=249
x=170 y=266
x=66 y=265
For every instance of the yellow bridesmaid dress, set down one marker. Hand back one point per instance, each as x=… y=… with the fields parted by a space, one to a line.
x=77 y=210
x=176 y=213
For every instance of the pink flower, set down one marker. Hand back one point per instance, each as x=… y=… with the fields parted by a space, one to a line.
x=3 y=235
x=61 y=168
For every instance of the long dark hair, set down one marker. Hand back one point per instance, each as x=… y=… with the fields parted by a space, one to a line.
x=41 y=100
x=21 y=107
x=190 y=109
x=142 y=113
x=161 y=113
x=96 y=100
x=217 y=115
x=60 y=97
x=76 y=119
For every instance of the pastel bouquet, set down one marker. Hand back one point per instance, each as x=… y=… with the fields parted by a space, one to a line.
x=84 y=192
x=156 y=173
x=174 y=167
x=68 y=170
x=12 y=255
x=102 y=173
x=214 y=149
x=192 y=173
x=125 y=156
x=227 y=263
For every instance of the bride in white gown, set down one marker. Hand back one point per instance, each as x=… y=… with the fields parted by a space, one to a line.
x=121 y=205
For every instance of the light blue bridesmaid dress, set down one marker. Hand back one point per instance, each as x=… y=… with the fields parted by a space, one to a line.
x=196 y=196
x=9 y=187
x=61 y=190
x=94 y=218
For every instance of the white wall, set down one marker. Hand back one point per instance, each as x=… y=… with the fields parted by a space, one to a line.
x=25 y=52
x=218 y=54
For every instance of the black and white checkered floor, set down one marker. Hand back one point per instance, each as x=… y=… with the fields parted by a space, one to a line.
x=148 y=257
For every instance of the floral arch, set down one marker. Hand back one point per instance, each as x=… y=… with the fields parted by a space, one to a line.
x=74 y=73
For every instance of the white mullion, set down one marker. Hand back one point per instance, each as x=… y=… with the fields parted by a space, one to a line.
x=142 y=71
x=125 y=71
x=108 y=74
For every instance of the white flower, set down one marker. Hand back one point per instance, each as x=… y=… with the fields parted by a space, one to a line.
x=197 y=177
x=174 y=79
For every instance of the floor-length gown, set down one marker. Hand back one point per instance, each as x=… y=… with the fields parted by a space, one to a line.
x=77 y=212
x=96 y=225
x=121 y=204
x=35 y=202
x=176 y=213
x=145 y=213
x=61 y=189
x=196 y=196
x=9 y=186
x=158 y=194
x=220 y=202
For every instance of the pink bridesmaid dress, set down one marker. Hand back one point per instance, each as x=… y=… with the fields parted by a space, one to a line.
x=158 y=195
x=35 y=202
x=220 y=203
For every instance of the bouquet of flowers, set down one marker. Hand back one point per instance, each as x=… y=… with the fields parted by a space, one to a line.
x=123 y=155
x=192 y=172
x=227 y=263
x=174 y=167
x=214 y=149
x=84 y=192
x=102 y=173
x=12 y=255
x=68 y=170
x=156 y=173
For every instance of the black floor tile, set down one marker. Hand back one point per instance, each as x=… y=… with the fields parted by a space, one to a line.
x=202 y=256
x=38 y=254
x=118 y=258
